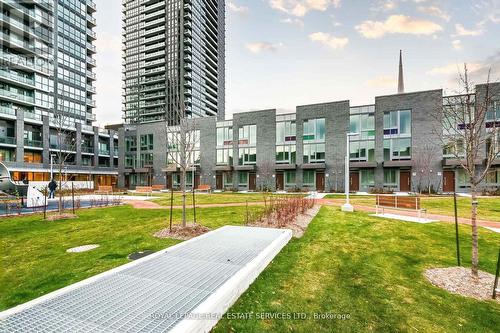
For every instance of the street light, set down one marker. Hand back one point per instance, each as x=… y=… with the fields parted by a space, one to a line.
x=347 y=207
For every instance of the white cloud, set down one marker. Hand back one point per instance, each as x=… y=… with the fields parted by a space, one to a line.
x=302 y=7
x=293 y=21
x=457 y=44
x=329 y=40
x=460 y=30
x=384 y=6
x=397 y=24
x=237 y=9
x=434 y=11
x=259 y=47
x=454 y=68
x=382 y=82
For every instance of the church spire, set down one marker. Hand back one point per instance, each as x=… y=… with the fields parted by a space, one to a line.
x=401 y=84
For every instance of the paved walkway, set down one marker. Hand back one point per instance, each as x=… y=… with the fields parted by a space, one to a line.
x=154 y=205
x=443 y=218
x=328 y=202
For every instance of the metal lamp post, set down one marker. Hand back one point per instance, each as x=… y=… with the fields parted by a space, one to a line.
x=52 y=166
x=347 y=207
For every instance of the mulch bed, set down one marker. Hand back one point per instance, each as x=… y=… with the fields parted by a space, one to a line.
x=458 y=280
x=178 y=232
x=298 y=226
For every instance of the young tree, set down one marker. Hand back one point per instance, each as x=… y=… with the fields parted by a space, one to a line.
x=182 y=140
x=63 y=144
x=470 y=134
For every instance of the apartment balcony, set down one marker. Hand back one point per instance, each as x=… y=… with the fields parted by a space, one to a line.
x=91 y=75
x=91 y=102
x=154 y=7
x=7 y=111
x=17 y=97
x=90 y=116
x=91 y=6
x=92 y=34
x=87 y=128
x=160 y=53
x=154 y=31
x=91 y=20
x=91 y=61
x=87 y=150
x=156 y=13
x=63 y=147
x=154 y=46
x=155 y=70
x=116 y=152
x=7 y=140
x=161 y=20
x=33 y=143
x=104 y=152
x=91 y=88
x=32 y=116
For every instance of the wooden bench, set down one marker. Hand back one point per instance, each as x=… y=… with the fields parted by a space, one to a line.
x=158 y=187
x=204 y=187
x=148 y=190
x=105 y=189
x=399 y=203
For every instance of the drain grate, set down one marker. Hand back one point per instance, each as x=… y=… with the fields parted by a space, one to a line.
x=150 y=294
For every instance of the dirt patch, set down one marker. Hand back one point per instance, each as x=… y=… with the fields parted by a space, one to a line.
x=178 y=232
x=458 y=280
x=58 y=217
x=298 y=226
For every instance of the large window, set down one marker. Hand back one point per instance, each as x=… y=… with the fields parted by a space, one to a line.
x=314 y=138
x=290 y=178
x=247 y=156
x=308 y=178
x=225 y=156
x=286 y=154
x=286 y=139
x=147 y=142
x=248 y=135
x=130 y=143
x=314 y=130
x=362 y=130
x=243 y=179
x=390 y=177
x=397 y=135
x=224 y=136
x=314 y=153
x=493 y=177
x=367 y=177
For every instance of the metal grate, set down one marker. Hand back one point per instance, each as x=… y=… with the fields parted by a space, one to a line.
x=169 y=284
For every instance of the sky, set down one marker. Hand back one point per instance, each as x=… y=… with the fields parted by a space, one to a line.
x=284 y=53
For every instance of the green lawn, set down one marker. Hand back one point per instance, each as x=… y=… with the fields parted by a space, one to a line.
x=352 y=264
x=488 y=209
x=33 y=260
x=215 y=198
x=371 y=269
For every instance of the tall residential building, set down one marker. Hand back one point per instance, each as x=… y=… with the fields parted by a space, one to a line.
x=47 y=82
x=173 y=58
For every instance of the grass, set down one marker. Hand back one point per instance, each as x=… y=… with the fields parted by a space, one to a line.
x=33 y=260
x=214 y=198
x=371 y=269
x=488 y=209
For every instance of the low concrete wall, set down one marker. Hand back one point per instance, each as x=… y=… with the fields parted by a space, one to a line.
x=77 y=185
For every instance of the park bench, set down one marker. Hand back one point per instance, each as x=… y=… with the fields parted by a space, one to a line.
x=395 y=202
x=204 y=187
x=104 y=189
x=148 y=190
x=158 y=188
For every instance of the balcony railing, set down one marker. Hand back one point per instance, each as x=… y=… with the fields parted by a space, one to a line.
x=103 y=152
x=86 y=149
x=16 y=77
x=7 y=110
x=33 y=116
x=19 y=97
x=8 y=140
x=33 y=143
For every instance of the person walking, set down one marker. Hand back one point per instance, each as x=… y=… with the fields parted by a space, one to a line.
x=52 y=189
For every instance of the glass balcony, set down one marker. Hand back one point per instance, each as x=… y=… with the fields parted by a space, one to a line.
x=33 y=143
x=19 y=97
x=7 y=140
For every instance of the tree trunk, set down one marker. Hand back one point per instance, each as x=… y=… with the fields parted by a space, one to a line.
x=183 y=188
x=475 y=245
x=60 y=206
